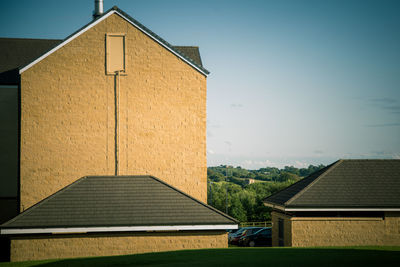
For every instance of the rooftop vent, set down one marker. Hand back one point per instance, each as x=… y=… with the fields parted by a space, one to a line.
x=98 y=8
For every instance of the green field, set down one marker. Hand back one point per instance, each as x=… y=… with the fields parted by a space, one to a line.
x=321 y=257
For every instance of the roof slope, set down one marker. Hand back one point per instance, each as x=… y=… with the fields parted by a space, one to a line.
x=345 y=184
x=283 y=196
x=118 y=201
x=18 y=52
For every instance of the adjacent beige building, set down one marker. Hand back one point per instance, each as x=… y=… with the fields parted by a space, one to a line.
x=349 y=203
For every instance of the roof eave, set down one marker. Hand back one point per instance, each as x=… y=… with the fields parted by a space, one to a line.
x=105 y=229
x=340 y=209
x=315 y=208
x=274 y=206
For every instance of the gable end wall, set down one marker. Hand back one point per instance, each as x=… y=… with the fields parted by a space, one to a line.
x=68 y=116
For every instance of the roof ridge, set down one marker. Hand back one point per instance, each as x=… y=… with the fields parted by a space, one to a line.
x=198 y=201
x=41 y=202
x=134 y=23
x=301 y=192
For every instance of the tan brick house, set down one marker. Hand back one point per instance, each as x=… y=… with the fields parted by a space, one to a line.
x=110 y=103
x=348 y=203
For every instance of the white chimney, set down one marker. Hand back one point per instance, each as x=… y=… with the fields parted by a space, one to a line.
x=98 y=8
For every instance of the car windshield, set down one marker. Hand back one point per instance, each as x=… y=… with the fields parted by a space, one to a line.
x=241 y=230
x=254 y=230
x=251 y=231
x=263 y=231
x=260 y=230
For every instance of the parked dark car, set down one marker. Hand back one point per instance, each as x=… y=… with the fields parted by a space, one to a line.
x=234 y=239
x=238 y=232
x=261 y=237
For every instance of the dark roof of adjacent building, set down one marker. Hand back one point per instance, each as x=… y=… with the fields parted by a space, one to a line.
x=17 y=53
x=111 y=201
x=191 y=52
x=358 y=184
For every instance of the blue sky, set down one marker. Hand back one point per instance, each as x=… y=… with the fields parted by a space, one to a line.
x=291 y=83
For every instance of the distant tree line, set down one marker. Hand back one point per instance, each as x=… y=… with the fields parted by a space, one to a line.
x=229 y=189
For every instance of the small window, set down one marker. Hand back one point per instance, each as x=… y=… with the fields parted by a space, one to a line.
x=115 y=53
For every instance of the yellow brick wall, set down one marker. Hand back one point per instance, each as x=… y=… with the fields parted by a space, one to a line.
x=341 y=231
x=287 y=227
x=38 y=248
x=67 y=116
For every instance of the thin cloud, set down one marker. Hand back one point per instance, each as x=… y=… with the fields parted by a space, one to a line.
x=256 y=164
x=392 y=109
x=379 y=153
x=301 y=164
x=213 y=125
x=389 y=104
x=319 y=152
x=229 y=144
x=211 y=152
x=236 y=105
x=383 y=125
x=384 y=100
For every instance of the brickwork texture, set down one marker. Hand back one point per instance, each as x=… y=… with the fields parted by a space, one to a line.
x=287 y=226
x=339 y=231
x=55 y=247
x=68 y=116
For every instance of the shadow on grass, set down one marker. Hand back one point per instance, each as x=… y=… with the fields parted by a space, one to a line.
x=246 y=257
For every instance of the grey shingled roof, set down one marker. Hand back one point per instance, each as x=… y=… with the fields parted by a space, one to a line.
x=118 y=201
x=191 y=52
x=345 y=184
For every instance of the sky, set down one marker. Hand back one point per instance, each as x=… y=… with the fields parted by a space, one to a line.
x=292 y=83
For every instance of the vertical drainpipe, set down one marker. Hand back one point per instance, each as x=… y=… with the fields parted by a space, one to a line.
x=117 y=92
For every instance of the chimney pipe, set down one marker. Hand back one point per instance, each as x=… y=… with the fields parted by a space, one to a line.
x=98 y=8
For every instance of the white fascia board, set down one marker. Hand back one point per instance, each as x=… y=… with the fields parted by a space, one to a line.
x=66 y=42
x=162 y=44
x=94 y=24
x=342 y=209
x=73 y=230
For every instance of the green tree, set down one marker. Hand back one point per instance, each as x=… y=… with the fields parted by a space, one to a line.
x=245 y=202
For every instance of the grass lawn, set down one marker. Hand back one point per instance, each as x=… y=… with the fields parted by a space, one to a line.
x=321 y=257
